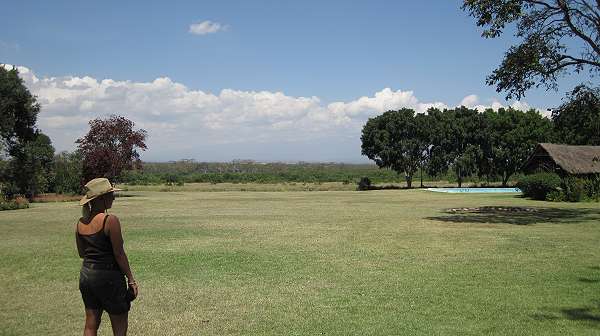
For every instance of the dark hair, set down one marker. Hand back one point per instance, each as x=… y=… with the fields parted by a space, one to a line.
x=86 y=209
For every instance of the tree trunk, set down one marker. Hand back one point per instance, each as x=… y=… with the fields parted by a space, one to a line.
x=505 y=177
x=408 y=181
x=459 y=178
x=421 y=176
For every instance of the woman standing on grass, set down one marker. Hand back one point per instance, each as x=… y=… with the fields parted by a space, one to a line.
x=100 y=244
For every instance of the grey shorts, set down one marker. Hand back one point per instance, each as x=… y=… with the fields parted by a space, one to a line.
x=104 y=290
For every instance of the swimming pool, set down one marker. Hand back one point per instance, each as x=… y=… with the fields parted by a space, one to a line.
x=476 y=190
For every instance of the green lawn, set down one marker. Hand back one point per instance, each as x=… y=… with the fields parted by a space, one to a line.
x=317 y=263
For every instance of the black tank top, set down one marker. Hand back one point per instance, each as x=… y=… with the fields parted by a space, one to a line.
x=97 y=247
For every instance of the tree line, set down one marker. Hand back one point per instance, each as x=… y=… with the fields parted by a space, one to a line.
x=254 y=172
x=490 y=144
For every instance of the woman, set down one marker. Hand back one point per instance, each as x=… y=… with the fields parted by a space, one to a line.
x=100 y=244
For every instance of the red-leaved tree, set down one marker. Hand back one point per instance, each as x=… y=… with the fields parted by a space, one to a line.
x=110 y=147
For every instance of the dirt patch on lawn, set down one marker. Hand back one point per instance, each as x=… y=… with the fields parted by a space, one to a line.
x=492 y=209
x=45 y=198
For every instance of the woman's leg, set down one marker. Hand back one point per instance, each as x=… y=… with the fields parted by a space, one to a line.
x=119 y=323
x=93 y=317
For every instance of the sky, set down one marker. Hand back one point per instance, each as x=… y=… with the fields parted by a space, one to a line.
x=261 y=80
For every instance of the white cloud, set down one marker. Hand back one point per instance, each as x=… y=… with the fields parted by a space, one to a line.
x=472 y=101
x=206 y=27
x=384 y=100
x=469 y=101
x=183 y=122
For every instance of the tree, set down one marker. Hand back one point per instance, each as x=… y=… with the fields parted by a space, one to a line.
x=67 y=173
x=28 y=168
x=557 y=36
x=460 y=141
x=510 y=137
x=424 y=126
x=437 y=125
x=110 y=147
x=18 y=109
x=577 y=121
x=391 y=141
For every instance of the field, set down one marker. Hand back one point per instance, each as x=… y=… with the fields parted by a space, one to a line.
x=390 y=262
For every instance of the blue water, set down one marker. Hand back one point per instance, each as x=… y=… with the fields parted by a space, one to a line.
x=476 y=190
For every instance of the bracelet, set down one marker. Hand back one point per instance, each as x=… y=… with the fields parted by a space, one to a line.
x=132 y=283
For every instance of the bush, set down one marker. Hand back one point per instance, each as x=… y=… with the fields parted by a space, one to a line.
x=555 y=196
x=591 y=187
x=572 y=188
x=364 y=183
x=9 y=190
x=575 y=189
x=18 y=202
x=538 y=186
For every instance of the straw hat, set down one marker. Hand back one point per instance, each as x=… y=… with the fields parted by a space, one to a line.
x=97 y=187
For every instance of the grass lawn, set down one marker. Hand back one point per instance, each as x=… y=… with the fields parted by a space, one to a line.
x=391 y=262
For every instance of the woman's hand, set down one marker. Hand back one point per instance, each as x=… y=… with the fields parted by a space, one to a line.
x=135 y=288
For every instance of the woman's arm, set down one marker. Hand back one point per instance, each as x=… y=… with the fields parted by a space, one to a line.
x=78 y=242
x=114 y=231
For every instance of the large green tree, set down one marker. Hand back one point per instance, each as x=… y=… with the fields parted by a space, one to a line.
x=462 y=141
x=438 y=161
x=29 y=152
x=577 y=120
x=557 y=37
x=509 y=137
x=424 y=128
x=18 y=109
x=30 y=169
x=392 y=141
x=67 y=173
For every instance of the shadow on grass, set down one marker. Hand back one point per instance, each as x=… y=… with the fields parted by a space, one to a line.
x=517 y=215
x=591 y=314
x=588 y=314
x=586 y=280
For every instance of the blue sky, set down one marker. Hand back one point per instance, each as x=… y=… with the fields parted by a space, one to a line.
x=272 y=68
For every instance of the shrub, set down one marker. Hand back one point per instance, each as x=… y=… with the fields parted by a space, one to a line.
x=9 y=190
x=537 y=186
x=364 y=183
x=555 y=196
x=18 y=202
x=591 y=187
x=137 y=177
x=573 y=189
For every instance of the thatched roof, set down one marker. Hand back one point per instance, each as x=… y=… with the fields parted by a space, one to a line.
x=572 y=159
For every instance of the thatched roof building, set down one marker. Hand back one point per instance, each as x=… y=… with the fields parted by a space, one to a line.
x=564 y=159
